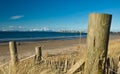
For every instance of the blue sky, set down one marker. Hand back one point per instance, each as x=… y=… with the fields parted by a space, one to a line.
x=55 y=14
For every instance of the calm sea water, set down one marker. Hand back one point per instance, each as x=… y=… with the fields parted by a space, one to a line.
x=22 y=36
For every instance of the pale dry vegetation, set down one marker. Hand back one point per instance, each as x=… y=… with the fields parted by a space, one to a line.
x=57 y=63
x=60 y=63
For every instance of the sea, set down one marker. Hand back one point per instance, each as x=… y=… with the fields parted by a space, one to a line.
x=6 y=36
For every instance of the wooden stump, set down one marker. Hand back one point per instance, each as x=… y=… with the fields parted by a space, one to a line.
x=13 y=52
x=14 y=57
x=38 y=55
x=97 y=43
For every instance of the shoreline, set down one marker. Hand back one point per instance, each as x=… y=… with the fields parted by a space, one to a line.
x=27 y=48
x=40 y=39
x=112 y=36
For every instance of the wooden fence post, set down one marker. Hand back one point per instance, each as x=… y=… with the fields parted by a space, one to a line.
x=97 y=43
x=13 y=52
x=13 y=56
x=38 y=55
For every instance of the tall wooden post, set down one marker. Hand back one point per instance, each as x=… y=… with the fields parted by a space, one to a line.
x=38 y=55
x=97 y=43
x=14 y=57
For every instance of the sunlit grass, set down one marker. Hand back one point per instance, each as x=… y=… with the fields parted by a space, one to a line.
x=55 y=63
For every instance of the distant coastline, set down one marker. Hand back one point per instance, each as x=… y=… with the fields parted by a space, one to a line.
x=6 y=36
x=61 y=31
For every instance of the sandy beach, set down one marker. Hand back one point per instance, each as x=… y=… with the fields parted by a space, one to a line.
x=48 y=46
x=26 y=49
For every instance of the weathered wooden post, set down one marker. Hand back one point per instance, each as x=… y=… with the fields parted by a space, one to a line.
x=97 y=43
x=13 y=56
x=38 y=55
x=13 y=52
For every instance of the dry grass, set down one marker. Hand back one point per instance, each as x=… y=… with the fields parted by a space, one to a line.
x=114 y=48
x=59 y=63
x=51 y=63
x=114 y=53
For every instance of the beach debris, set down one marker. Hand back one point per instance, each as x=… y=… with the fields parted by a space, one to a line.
x=76 y=66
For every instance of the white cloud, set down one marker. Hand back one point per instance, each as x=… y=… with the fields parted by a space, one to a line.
x=20 y=27
x=16 y=17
